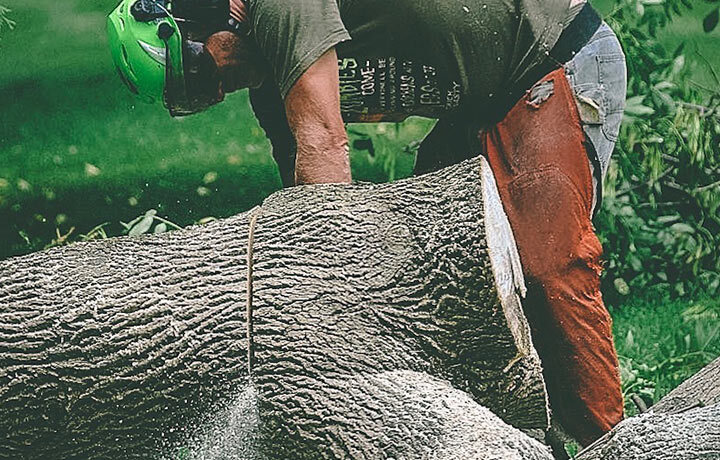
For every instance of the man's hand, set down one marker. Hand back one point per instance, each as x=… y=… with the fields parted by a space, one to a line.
x=238 y=60
x=313 y=112
x=223 y=46
x=238 y=10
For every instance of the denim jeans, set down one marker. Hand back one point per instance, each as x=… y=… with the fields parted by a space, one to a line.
x=598 y=76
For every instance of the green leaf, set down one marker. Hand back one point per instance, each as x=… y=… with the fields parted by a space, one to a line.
x=160 y=228
x=128 y=225
x=206 y=220
x=678 y=64
x=5 y=21
x=638 y=109
x=682 y=228
x=668 y=219
x=663 y=85
x=621 y=286
x=635 y=100
x=711 y=20
x=144 y=225
x=629 y=339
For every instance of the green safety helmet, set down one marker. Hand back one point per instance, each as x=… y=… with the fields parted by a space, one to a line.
x=156 y=62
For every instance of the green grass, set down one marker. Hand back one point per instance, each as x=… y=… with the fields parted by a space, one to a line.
x=77 y=149
x=661 y=342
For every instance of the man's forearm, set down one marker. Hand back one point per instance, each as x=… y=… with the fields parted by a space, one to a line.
x=322 y=157
x=312 y=107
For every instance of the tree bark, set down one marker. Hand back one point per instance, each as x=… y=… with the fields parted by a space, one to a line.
x=106 y=347
x=395 y=414
x=318 y=304
x=685 y=424
x=699 y=391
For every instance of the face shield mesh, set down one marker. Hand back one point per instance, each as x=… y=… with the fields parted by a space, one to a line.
x=198 y=19
x=201 y=74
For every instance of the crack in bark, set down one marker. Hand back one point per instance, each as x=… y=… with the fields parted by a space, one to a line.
x=249 y=301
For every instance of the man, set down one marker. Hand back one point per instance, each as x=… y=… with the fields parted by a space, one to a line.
x=537 y=86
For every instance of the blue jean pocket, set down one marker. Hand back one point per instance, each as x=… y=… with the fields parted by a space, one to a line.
x=613 y=81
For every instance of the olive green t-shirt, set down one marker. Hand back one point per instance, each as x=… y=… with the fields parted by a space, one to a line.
x=410 y=57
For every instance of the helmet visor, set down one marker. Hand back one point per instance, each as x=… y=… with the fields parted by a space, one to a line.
x=194 y=84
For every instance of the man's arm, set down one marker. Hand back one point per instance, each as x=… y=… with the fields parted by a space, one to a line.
x=313 y=112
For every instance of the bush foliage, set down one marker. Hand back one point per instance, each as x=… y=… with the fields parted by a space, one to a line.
x=660 y=221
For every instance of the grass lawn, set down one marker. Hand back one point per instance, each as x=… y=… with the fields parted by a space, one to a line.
x=661 y=342
x=77 y=149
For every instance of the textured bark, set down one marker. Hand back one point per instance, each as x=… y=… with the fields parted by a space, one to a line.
x=700 y=390
x=121 y=348
x=105 y=347
x=410 y=415
x=397 y=414
x=685 y=424
x=691 y=435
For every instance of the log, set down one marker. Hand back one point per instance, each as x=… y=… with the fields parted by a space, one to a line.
x=691 y=435
x=700 y=390
x=685 y=424
x=322 y=304
x=411 y=415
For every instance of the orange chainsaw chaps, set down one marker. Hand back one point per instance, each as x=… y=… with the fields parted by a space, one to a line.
x=539 y=158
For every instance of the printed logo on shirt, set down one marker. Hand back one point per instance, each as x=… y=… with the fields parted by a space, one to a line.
x=385 y=89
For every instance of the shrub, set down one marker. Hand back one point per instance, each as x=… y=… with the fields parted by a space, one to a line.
x=660 y=223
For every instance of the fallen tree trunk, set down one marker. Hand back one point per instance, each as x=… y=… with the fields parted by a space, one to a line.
x=397 y=414
x=685 y=424
x=701 y=390
x=691 y=435
x=119 y=348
